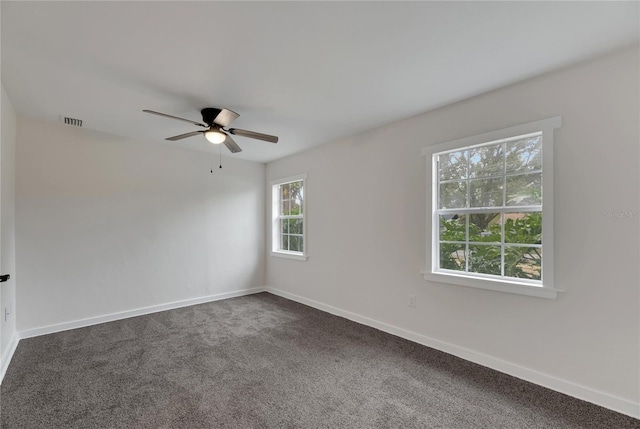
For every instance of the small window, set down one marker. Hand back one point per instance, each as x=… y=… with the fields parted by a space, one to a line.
x=288 y=228
x=491 y=217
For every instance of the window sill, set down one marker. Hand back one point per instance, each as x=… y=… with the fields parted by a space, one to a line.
x=289 y=255
x=495 y=285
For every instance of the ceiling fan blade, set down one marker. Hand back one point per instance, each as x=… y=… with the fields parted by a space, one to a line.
x=232 y=145
x=253 y=135
x=184 y=136
x=175 y=117
x=225 y=117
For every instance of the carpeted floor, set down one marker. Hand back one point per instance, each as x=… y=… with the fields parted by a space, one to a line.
x=262 y=361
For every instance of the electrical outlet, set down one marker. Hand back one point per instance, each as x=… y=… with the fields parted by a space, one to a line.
x=412 y=300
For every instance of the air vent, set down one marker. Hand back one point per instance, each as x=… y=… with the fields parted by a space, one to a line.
x=73 y=121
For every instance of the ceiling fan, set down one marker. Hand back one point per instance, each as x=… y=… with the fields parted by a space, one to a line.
x=216 y=122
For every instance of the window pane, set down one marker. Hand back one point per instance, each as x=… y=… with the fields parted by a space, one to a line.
x=284 y=242
x=296 y=207
x=295 y=243
x=452 y=228
x=485 y=227
x=453 y=195
x=284 y=192
x=295 y=189
x=284 y=226
x=486 y=192
x=525 y=228
x=523 y=262
x=295 y=226
x=486 y=161
x=453 y=165
x=452 y=256
x=524 y=190
x=485 y=259
x=524 y=155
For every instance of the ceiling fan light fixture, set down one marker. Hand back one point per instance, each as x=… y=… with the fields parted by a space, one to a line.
x=215 y=136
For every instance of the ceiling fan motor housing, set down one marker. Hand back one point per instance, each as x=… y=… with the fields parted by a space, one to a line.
x=209 y=115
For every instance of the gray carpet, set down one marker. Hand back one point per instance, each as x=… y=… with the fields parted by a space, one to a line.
x=262 y=361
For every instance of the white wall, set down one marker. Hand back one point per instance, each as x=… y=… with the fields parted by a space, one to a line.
x=107 y=225
x=367 y=220
x=7 y=230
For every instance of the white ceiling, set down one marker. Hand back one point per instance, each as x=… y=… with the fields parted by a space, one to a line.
x=309 y=72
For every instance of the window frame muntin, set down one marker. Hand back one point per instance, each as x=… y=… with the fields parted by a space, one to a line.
x=547 y=287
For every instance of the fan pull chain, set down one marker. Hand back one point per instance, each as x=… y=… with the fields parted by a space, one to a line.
x=220 y=155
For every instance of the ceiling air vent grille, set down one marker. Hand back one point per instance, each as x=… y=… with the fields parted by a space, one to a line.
x=73 y=121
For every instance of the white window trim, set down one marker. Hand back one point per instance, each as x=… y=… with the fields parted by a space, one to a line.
x=275 y=229
x=547 y=289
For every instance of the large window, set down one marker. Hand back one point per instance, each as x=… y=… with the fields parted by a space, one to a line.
x=288 y=228
x=491 y=218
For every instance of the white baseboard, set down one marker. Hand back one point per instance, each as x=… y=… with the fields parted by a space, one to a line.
x=584 y=393
x=50 y=329
x=8 y=354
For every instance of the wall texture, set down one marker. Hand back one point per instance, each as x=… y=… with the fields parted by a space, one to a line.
x=7 y=231
x=107 y=225
x=367 y=220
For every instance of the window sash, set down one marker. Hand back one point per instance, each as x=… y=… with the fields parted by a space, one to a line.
x=503 y=244
x=468 y=172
